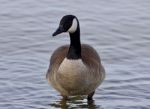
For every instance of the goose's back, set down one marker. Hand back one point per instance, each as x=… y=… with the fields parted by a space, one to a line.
x=88 y=53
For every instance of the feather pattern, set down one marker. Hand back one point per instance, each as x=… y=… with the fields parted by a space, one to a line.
x=75 y=77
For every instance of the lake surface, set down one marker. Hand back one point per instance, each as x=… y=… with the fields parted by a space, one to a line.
x=118 y=29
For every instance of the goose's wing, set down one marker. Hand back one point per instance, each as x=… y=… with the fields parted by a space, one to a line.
x=92 y=60
x=90 y=57
x=57 y=57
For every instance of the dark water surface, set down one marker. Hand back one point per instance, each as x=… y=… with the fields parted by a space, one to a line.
x=118 y=29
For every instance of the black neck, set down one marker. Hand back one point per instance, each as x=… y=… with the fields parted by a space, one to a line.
x=75 y=45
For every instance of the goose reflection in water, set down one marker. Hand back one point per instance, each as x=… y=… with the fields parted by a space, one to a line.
x=75 y=103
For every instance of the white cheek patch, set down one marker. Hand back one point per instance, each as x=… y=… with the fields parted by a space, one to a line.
x=73 y=27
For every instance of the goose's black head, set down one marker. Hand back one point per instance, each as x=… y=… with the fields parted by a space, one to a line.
x=68 y=23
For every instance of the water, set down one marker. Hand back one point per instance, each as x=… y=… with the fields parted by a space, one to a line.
x=118 y=29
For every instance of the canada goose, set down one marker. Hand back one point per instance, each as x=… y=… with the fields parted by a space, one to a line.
x=74 y=69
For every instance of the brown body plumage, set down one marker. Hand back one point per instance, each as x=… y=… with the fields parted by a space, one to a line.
x=74 y=83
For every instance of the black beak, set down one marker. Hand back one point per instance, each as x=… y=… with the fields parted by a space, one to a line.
x=58 y=31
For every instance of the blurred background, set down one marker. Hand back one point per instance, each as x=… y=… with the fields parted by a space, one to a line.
x=118 y=29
